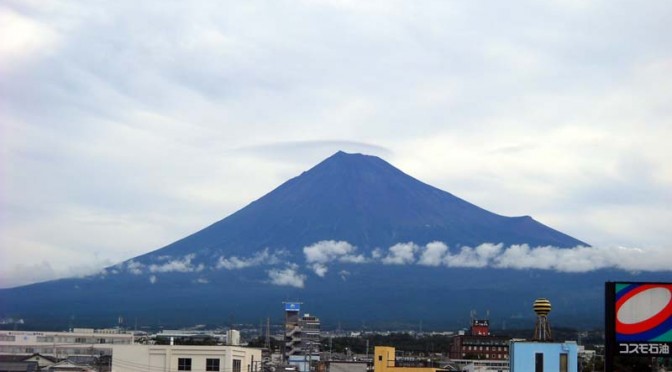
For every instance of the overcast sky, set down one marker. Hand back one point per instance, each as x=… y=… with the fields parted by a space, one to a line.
x=126 y=125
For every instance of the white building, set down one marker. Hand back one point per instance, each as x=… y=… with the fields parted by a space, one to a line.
x=168 y=358
x=81 y=341
x=233 y=337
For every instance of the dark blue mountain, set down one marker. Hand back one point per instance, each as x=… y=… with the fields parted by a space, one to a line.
x=365 y=201
x=334 y=238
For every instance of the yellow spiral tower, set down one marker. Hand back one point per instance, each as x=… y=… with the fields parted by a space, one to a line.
x=542 y=328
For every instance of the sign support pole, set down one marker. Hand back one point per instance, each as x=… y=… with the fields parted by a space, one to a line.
x=609 y=322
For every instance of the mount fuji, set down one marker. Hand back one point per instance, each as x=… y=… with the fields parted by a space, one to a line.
x=354 y=238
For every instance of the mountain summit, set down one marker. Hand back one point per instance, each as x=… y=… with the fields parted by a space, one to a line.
x=354 y=238
x=367 y=202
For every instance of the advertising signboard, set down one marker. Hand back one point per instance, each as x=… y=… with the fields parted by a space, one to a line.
x=292 y=306
x=638 y=319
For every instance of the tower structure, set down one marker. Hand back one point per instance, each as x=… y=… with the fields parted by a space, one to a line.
x=292 y=330
x=302 y=338
x=542 y=328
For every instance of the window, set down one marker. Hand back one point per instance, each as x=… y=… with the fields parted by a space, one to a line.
x=563 y=362
x=236 y=365
x=212 y=364
x=184 y=364
x=538 y=362
x=380 y=358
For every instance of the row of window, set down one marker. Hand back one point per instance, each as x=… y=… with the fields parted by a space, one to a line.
x=486 y=348
x=488 y=356
x=76 y=340
x=474 y=341
x=211 y=364
x=22 y=349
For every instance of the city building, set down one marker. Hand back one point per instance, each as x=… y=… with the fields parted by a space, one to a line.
x=61 y=345
x=534 y=356
x=42 y=361
x=478 y=344
x=134 y=358
x=385 y=360
x=342 y=366
x=302 y=338
x=310 y=335
x=69 y=366
x=292 y=330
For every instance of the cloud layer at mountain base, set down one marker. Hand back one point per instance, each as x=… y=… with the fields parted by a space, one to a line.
x=285 y=270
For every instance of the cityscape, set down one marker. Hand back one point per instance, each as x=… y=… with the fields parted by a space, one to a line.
x=301 y=344
x=335 y=186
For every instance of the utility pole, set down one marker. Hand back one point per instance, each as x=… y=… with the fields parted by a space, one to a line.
x=267 y=341
x=367 y=349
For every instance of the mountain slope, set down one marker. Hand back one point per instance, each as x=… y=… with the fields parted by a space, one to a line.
x=345 y=238
x=367 y=202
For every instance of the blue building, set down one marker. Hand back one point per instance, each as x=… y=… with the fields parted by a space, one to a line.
x=531 y=356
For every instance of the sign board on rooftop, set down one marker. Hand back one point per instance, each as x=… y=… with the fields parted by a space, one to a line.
x=292 y=306
x=638 y=318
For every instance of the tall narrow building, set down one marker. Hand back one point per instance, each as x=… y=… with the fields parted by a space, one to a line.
x=310 y=335
x=302 y=337
x=292 y=330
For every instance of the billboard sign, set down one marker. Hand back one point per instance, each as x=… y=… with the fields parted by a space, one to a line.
x=638 y=319
x=292 y=306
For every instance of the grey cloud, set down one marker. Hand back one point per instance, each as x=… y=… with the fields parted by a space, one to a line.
x=480 y=256
x=134 y=267
x=289 y=276
x=520 y=257
x=318 y=255
x=260 y=258
x=330 y=250
x=344 y=274
x=319 y=269
x=315 y=149
x=401 y=254
x=433 y=254
x=183 y=265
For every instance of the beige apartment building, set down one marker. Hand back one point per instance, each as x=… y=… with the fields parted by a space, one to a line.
x=169 y=358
